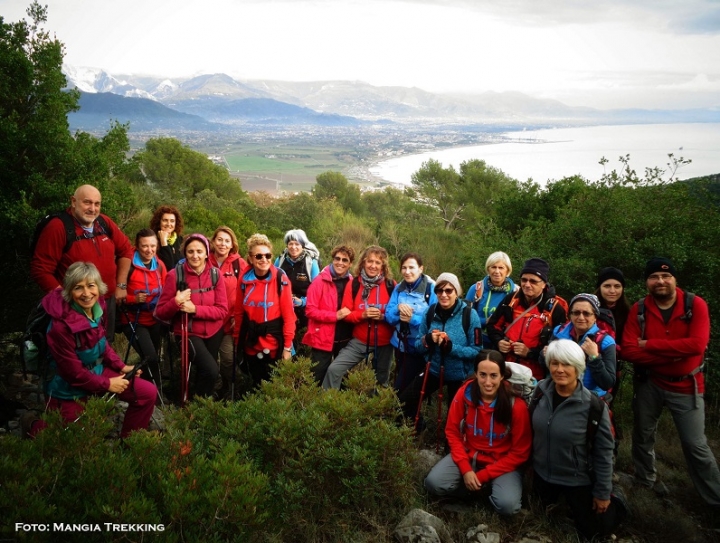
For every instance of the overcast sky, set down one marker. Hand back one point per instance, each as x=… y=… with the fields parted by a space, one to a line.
x=599 y=53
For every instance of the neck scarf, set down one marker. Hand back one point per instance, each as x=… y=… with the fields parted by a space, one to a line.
x=369 y=283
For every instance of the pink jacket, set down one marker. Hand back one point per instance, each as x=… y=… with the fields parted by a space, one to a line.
x=321 y=310
x=227 y=272
x=211 y=306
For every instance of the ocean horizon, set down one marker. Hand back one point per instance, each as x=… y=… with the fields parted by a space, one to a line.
x=552 y=154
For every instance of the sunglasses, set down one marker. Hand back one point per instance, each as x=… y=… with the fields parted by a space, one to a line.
x=531 y=281
x=447 y=291
x=260 y=256
x=577 y=313
x=341 y=259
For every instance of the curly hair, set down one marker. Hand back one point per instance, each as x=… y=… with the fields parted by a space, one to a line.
x=167 y=210
x=258 y=239
x=344 y=249
x=381 y=253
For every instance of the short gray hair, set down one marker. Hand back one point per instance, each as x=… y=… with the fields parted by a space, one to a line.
x=568 y=353
x=81 y=271
x=498 y=256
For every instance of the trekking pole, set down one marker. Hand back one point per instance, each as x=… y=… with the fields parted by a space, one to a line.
x=422 y=395
x=234 y=364
x=440 y=399
x=367 y=343
x=184 y=359
x=133 y=331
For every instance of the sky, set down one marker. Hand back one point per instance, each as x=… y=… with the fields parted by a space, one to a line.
x=604 y=54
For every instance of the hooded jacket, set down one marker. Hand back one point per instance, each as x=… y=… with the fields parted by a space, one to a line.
x=210 y=305
x=321 y=311
x=414 y=296
x=378 y=297
x=301 y=272
x=500 y=449
x=459 y=361
x=143 y=279
x=231 y=281
x=560 y=448
x=78 y=348
x=673 y=350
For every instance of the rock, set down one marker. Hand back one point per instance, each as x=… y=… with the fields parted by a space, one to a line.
x=478 y=535
x=426 y=459
x=417 y=534
x=419 y=518
x=535 y=538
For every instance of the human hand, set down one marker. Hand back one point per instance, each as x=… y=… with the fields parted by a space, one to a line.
x=163 y=237
x=504 y=345
x=120 y=294
x=286 y=355
x=600 y=506
x=471 y=481
x=342 y=313
x=590 y=347
x=188 y=307
x=182 y=296
x=118 y=384
x=520 y=349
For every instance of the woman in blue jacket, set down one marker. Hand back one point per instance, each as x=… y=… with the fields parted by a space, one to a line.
x=486 y=294
x=405 y=310
x=450 y=344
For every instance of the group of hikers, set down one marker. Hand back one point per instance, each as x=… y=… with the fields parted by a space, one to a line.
x=227 y=312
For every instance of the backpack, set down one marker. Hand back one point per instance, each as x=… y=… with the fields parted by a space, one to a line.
x=69 y=225
x=687 y=317
x=547 y=311
x=522 y=383
x=606 y=322
x=181 y=283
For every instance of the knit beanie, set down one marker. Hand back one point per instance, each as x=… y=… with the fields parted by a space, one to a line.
x=536 y=266
x=659 y=264
x=590 y=298
x=451 y=278
x=610 y=273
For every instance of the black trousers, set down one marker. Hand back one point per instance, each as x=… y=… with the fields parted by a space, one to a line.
x=203 y=355
x=147 y=345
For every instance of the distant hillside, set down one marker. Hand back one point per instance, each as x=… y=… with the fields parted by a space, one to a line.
x=97 y=110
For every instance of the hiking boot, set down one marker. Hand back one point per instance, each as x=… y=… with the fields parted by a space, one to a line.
x=27 y=420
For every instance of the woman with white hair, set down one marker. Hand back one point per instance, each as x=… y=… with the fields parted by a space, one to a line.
x=571 y=456
x=300 y=263
x=486 y=294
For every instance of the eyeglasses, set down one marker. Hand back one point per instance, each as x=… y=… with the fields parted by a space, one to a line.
x=447 y=291
x=260 y=256
x=531 y=281
x=577 y=313
x=662 y=277
x=341 y=259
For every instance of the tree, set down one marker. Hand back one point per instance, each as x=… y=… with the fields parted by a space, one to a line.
x=441 y=188
x=335 y=185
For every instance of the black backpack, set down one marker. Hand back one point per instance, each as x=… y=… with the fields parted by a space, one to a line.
x=181 y=283
x=69 y=226
x=389 y=286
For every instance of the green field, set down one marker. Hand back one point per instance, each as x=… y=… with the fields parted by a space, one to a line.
x=287 y=167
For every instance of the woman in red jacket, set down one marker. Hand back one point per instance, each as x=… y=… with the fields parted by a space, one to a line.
x=224 y=255
x=366 y=296
x=198 y=294
x=327 y=331
x=488 y=430
x=144 y=285
x=264 y=314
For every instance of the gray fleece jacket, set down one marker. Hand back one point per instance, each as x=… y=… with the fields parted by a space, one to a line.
x=560 y=454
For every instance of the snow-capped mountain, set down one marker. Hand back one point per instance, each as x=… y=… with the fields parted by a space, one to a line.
x=98 y=80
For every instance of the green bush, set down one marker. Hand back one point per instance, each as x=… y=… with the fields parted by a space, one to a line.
x=289 y=462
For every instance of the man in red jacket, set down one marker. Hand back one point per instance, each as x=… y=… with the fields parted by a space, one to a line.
x=666 y=344
x=98 y=241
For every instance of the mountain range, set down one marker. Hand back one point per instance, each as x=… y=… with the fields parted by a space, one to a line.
x=215 y=102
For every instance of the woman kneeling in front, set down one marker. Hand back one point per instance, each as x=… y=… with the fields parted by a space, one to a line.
x=488 y=430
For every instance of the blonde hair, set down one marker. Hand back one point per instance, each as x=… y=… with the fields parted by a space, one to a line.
x=498 y=256
x=381 y=253
x=233 y=238
x=81 y=271
x=258 y=239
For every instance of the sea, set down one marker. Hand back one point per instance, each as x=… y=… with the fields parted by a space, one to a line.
x=553 y=154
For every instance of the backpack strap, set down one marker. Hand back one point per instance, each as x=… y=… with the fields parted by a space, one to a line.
x=236 y=268
x=479 y=290
x=689 y=301
x=641 y=317
x=181 y=283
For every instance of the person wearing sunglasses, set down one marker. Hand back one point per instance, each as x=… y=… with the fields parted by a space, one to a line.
x=366 y=298
x=450 y=346
x=598 y=345
x=264 y=316
x=522 y=324
x=328 y=331
x=408 y=304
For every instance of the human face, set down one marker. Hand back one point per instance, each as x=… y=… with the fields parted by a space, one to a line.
x=373 y=265
x=167 y=222
x=294 y=248
x=582 y=316
x=563 y=375
x=86 y=294
x=488 y=379
x=86 y=205
x=611 y=291
x=410 y=270
x=531 y=285
x=223 y=244
x=341 y=263
x=661 y=286
x=146 y=248
x=196 y=255
x=498 y=272
x=447 y=295
x=261 y=265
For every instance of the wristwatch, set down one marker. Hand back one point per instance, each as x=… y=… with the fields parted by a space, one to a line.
x=122 y=286
x=288 y=349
